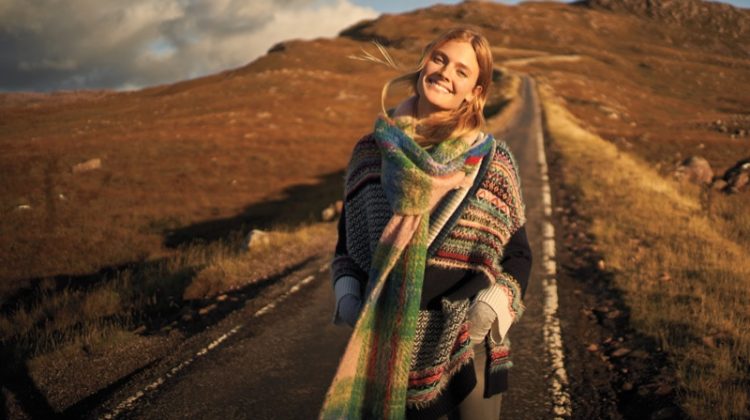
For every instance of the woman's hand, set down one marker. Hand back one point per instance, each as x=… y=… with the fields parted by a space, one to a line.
x=481 y=316
x=349 y=308
x=348 y=301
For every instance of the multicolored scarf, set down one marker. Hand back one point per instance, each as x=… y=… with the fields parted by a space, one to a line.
x=372 y=377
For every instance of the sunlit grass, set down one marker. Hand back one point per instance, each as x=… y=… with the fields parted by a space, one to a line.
x=681 y=263
x=88 y=316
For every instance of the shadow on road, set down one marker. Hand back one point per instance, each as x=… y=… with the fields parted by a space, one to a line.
x=16 y=381
x=167 y=310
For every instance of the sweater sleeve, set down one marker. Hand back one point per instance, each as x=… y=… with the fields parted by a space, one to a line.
x=348 y=278
x=516 y=263
x=516 y=259
x=342 y=264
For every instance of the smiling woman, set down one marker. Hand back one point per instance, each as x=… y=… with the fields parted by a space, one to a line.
x=450 y=86
x=448 y=78
x=432 y=258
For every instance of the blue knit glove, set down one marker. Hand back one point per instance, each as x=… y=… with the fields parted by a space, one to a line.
x=348 y=301
x=349 y=308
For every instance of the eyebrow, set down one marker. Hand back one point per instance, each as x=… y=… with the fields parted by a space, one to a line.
x=458 y=63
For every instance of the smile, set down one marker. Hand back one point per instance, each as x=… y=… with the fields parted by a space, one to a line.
x=439 y=87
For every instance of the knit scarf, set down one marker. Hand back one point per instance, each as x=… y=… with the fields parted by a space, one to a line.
x=372 y=377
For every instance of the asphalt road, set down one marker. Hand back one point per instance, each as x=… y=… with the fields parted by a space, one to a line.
x=528 y=396
x=279 y=365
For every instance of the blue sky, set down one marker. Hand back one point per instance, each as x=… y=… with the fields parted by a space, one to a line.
x=120 y=45
x=393 y=6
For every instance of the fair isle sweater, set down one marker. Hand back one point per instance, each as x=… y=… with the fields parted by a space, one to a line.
x=480 y=243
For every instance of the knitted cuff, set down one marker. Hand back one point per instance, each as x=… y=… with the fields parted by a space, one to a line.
x=344 y=265
x=496 y=296
x=513 y=292
x=345 y=285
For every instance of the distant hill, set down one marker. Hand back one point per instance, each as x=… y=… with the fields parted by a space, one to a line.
x=198 y=158
x=720 y=18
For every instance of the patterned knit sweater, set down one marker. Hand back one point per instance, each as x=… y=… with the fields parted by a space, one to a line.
x=472 y=240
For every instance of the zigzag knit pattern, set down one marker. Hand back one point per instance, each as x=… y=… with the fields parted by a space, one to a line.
x=489 y=218
x=473 y=238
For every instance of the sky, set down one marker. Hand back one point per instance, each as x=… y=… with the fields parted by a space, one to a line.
x=48 y=45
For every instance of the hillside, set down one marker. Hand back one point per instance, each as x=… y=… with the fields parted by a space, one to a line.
x=183 y=170
x=195 y=159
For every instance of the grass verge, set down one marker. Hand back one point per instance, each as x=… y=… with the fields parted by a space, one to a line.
x=679 y=259
x=90 y=317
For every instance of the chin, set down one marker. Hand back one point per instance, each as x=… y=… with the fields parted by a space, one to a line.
x=440 y=101
x=441 y=105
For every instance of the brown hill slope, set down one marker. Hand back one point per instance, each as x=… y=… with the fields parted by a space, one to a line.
x=198 y=158
x=710 y=18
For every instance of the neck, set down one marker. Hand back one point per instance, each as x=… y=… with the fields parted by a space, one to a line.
x=423 y=108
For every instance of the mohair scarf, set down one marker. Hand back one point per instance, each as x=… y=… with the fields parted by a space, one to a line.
x=372 y=377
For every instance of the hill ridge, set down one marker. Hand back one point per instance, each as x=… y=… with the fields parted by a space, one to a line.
x=723 y=18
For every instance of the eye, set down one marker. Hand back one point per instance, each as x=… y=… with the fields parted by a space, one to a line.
x=436 y=58
x=462 y=73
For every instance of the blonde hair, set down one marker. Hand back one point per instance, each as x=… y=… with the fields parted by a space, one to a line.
x=468 y=117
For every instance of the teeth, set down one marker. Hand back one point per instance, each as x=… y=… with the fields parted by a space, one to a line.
x=443 y=88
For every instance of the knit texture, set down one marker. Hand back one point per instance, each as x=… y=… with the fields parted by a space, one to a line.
x=488 y=219
x=495 y=201
x=373 y=375
x=489 y=216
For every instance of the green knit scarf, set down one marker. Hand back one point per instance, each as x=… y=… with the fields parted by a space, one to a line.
x=372 y=377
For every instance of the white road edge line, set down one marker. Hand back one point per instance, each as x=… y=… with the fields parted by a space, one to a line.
x=552 y=335
x=129 y=402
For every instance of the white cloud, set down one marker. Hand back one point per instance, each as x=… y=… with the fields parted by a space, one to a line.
x=73 y=44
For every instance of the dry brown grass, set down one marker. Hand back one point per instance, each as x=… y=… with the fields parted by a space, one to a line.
x=211 y=148
x=173 y=157
x=684 y=270
x=94 y=316
x=282 y=248
x=206 y=156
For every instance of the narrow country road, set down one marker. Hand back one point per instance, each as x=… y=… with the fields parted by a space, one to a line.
x=528 y=396
x=279 y=365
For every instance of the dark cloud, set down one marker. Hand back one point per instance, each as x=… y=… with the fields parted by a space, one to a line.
x=73 y=44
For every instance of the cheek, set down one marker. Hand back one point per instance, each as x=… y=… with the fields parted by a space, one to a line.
x=468 y=86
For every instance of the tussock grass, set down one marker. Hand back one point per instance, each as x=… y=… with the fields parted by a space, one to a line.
x=281 y=248
x=680 y=261
x=92 y=317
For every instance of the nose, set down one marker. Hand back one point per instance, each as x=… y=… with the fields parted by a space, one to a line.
x=442 y=72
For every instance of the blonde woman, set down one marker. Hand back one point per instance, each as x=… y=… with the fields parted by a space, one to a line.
x=432 y=259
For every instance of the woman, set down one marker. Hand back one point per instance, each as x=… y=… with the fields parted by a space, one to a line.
x=432 y=259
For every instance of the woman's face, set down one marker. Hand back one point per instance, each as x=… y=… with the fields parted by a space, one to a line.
x=448 y=78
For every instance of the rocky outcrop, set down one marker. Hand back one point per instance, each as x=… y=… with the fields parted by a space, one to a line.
x=88 y=165
x=332 y=212
x=718 y=18
x=736 y=178
x=256 y=238
x=695 y=169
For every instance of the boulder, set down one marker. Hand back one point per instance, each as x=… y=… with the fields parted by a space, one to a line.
x=695 y=169
x=331 y=212
x=737 y=178
x=328 y=214
x=89 y=165
x=256 y=238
